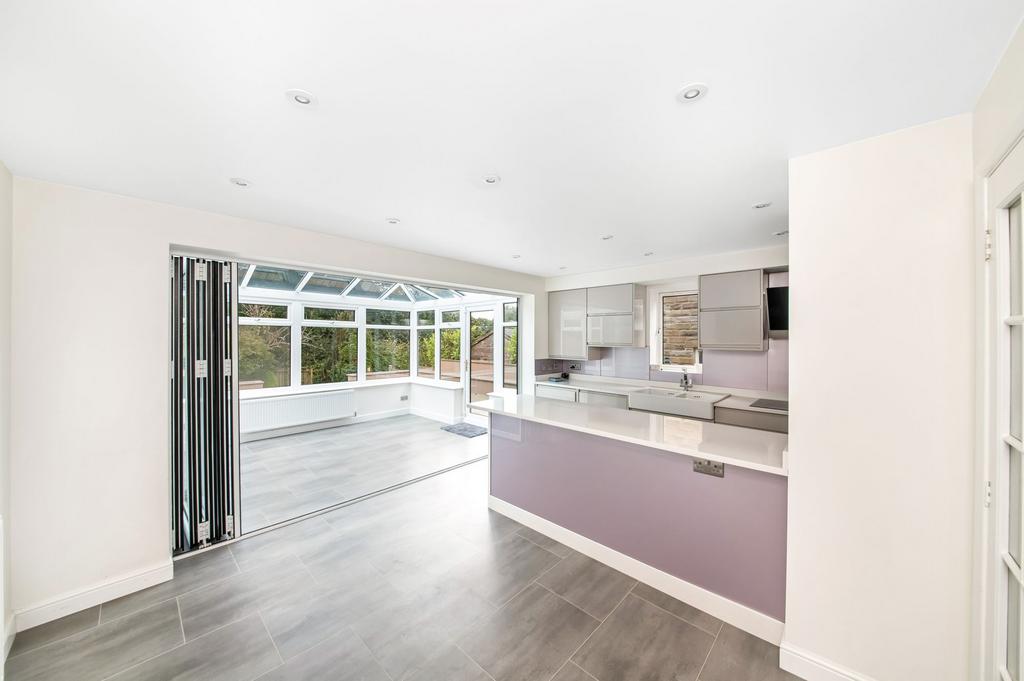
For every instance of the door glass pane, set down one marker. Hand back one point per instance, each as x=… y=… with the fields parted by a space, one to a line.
x=1012 y=627
x=425 y=353
x=481 y=354
x=1016 y=378
x=511 y=312
x=451 y=354
x=329 y=355
x=510 y=356
x=1015 y=260
x=1013 y=538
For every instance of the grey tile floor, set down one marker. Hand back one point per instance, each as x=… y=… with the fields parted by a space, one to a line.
x=287 y=477
x=422 y=583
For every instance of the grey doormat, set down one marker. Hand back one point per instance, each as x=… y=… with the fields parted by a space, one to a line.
x=465 y=429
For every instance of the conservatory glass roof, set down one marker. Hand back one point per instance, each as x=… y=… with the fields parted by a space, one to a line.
x=343 y=285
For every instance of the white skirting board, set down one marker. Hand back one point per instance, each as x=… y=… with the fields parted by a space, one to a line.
x=440 y=418
x=33 y=616
x=811 y=667
x=736 y=614
x=10 y=629
x=321 y=425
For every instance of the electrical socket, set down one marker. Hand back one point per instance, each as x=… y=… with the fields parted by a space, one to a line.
x=715 y=468
x=403 y=398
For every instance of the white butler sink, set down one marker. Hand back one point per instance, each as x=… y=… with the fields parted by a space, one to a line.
x=692 y=403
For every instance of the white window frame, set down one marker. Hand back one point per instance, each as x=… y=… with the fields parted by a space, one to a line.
x=321 y=323
x=657 y=349
x=295 y=319
x=273 y=321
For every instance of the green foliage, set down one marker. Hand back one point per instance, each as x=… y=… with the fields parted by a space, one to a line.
x=388 y=317
x=426 y=348
x=257 y=310
x=264 y=354
x=387 y=350
x=450 y=344
x=326 y=313
x=511 y=345
x=329 y=355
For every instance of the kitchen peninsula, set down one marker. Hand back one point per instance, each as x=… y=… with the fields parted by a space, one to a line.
x=623 y=487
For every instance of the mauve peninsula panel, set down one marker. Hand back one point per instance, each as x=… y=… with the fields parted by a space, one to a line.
x=727 y=535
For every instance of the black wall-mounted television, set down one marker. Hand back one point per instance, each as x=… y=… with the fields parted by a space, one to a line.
x=778 y=312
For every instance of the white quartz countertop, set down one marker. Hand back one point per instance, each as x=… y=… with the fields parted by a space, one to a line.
x=732 y=401
x=755 y=449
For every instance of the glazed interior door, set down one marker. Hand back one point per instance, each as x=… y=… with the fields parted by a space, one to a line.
x=480 y=354
x=1002 y=365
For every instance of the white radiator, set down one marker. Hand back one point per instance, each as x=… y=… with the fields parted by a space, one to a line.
x=286 y=411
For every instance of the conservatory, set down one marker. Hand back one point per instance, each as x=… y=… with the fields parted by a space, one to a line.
x=345 y=382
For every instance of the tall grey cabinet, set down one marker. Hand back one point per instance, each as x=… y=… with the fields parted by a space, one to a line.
x=732 y=311
x=567 y=325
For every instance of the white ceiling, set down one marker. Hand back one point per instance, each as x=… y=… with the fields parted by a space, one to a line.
x=572 y=103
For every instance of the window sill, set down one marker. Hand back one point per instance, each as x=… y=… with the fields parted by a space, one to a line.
x=259 y=393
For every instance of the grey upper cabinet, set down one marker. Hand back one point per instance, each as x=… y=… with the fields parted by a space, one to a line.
x=732 y=311
x=616 y=316
x=567 y=325
x=731 y=289
x=616 y=299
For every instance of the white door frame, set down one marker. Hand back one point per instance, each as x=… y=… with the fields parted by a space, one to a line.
x=1000 y=188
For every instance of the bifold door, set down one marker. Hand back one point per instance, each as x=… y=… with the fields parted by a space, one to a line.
x=204 y=419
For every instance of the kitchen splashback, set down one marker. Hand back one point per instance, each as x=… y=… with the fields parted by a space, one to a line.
x=767 y=370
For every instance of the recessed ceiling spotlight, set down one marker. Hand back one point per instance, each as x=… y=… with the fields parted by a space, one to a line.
x=563 y=267
x=239 y=182
x=692 y=92
x=392 y=221
x=301 y=97
x=759 y=206
x=607 y=237
x=516 y=257
x=492 y=179
x=648 y=254
x=784 y=232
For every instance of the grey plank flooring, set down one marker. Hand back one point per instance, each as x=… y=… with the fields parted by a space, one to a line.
x=55 y=630
x=422 y=583
x=286 y=477
x=238 y=652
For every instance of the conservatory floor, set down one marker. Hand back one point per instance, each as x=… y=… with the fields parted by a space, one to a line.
x=286 y=477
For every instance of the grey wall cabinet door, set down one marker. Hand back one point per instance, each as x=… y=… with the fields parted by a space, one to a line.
x=567 y=324
x=616 y=299
x=732 y=329
x=731 y=289
x=732 y=311
x=610 y=330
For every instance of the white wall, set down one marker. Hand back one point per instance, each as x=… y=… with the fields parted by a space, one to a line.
x=6 y=230
x=673 y=270
x=90 y=330
x=881 y=393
